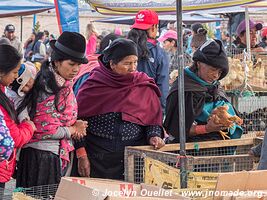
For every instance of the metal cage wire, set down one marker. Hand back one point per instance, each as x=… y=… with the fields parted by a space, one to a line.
x=216 y=159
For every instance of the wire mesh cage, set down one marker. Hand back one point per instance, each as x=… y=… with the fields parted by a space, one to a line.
x=246 y=87
x=44 y=192
x=219 y=156
x=246 y=71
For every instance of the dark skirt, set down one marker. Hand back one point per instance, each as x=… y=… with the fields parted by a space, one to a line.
x=108 y=165
x=2 y=189
x=37 y=167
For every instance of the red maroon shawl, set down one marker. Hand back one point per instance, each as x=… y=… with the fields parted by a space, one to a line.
x=135 y=95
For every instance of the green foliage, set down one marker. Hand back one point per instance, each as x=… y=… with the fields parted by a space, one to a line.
x=37 y=27
x=210 y=33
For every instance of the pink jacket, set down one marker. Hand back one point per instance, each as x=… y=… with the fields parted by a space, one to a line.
x=91 y=45
x=21 y=135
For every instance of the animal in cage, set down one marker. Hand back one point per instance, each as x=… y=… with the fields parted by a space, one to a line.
x=255 y=121
x=253 y=70
x=236 y=76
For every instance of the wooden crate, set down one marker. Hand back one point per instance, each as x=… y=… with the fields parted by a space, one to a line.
x=211 y=156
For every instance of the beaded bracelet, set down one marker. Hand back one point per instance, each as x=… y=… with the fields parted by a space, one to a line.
x=200 y=129
x=81 y=152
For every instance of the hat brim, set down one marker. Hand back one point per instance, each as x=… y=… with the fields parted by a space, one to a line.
x=162 y=39
x=83 y=60
x=141 y=26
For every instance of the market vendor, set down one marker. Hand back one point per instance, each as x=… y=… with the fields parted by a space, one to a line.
x=203 y=95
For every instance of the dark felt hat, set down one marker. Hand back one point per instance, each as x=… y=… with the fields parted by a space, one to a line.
x=70 y=45
x=120 y=48
x=212 y=53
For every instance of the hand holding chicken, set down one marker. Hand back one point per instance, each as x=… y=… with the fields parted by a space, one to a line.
x=221 y=117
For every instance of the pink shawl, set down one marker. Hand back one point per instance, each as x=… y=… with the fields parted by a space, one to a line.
x=47 y=119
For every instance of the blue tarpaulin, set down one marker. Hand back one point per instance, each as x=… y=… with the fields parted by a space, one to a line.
x=10 y=8
x=67 y=15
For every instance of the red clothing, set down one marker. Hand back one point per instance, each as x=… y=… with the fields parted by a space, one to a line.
x=21 y=134
x=135 y=95
x=91 y=45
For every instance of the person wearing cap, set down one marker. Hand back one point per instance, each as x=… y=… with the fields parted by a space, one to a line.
x=202 y=94
x=53 y=108
x=241 y=34
x=152 y=59
x=124 y=111
x=169 y=42
x=195 y=28
x=9 y=33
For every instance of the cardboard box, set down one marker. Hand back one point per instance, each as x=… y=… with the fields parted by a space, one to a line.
x=103 y=189
x=246 y=185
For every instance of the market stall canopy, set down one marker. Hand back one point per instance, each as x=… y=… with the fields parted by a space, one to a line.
x=126 y=7
x=253 y=7
x=10 y=8
x=164 y=19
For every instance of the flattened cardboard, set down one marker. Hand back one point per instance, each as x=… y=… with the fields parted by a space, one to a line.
x=98 y=189
x=242 y=181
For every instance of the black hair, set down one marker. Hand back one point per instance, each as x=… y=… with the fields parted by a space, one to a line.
x=100 y=37
x=45 y=84
x=106 y=40
x=46 y=32
x=140 y=38
x=199 y=38
x=237 y=41
x=202 y=31
x=193 y=67
x=9 y=60
x=171 y=40
x=242 y=33
x=38 y=36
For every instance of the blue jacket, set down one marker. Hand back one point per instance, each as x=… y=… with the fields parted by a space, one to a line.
x=157 y=67
x=263 y=160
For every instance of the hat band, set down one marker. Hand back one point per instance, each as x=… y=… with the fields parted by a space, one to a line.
x=68 y=51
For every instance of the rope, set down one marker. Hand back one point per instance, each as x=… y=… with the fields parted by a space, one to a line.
x=247 y=91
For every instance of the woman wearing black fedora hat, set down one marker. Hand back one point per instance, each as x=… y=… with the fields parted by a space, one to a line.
x=53 y=108
x=202 y=95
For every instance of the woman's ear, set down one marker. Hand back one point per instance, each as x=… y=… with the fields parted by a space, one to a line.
x=198 y=64
x=57 y=63
x=111 y=64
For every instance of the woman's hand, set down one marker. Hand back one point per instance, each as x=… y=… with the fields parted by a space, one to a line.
x=84 y=166
x=157 y=142
x=79 y=129
x=31 y=123
x=214 y=127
